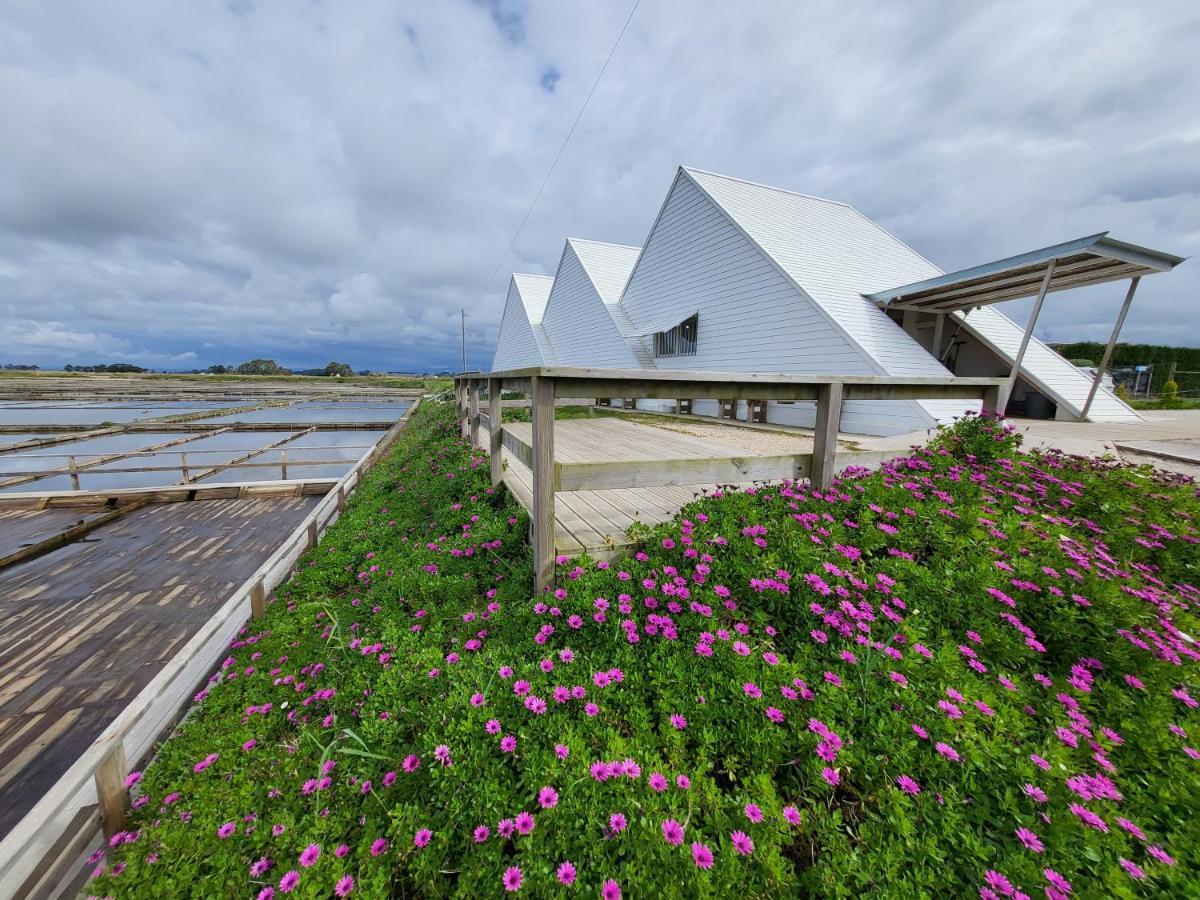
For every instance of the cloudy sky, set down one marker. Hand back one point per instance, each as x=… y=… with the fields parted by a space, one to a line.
x=199 y=182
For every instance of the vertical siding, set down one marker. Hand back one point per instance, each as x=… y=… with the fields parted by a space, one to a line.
x=577 y=323
x=516 y=345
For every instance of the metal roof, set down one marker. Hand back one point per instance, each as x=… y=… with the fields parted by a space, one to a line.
x=1085 y=261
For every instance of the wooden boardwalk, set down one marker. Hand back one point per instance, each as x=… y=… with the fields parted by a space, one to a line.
x=596 y=521
x=87 y=626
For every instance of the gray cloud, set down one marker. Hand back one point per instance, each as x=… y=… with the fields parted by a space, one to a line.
x=312 y=181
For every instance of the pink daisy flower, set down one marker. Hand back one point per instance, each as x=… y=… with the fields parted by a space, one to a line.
x=702 y=856
x=672 y=832
x=566 y=873
x=422 y=838
x=512 y=879
x=742 y=843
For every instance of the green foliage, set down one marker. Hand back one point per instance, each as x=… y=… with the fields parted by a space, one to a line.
x=1157 y=355
x=261 y=367
x=1029 y=614
x=338 y=370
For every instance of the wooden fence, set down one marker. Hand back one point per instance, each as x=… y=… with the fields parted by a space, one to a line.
x=42 y=854
x=544 y=384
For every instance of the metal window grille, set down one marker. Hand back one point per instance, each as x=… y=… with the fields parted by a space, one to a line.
x=678 y=341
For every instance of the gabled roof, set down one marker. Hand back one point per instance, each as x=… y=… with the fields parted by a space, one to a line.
x=1094 y=259
x=534 y=291
x=607 y=265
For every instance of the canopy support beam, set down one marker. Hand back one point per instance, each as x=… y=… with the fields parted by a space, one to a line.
x=1112 y=342
x=1033 y=317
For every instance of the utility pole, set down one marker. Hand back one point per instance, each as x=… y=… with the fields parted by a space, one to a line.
x=464 y=340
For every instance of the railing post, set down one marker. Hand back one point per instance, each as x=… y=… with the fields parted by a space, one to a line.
x=74 y=473
x=462 y=407
x=258 y=600
x=542 y=409
x=825 y=433
x=110 y=789
x=474 y=413
x=283 y=464
x=183 y=466
x=496 y=428
x=312 y=532
x=992 y=403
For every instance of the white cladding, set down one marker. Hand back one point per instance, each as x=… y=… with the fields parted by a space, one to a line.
x=777 y=279
x=578 y=322
x=518 y=344
x=753 y=315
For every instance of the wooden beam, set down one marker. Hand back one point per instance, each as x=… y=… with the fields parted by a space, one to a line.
x=825 y=434
x=668 y=472
x=496 y=429
x=1108 y=348
x=542 y=396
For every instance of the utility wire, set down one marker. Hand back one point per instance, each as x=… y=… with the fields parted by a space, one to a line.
x=558 y=156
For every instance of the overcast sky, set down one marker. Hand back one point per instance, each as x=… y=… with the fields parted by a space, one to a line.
x=199 y=182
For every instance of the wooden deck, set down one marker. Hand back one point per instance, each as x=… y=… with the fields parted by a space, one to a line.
x=87 y=626
x=595 y=521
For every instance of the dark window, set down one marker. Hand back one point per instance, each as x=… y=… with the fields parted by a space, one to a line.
x=679 y=341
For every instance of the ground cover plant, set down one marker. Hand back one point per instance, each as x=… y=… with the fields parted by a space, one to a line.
x=969 y=673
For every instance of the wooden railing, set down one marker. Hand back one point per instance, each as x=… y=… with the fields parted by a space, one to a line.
x=46 y=846
x=544 y=384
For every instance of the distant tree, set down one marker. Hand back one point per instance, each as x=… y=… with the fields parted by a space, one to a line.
x=338 y=370
x=262 y=367
x=218 y=370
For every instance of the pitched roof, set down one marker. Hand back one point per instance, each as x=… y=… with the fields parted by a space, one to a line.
x=534 y=291
x=607 y=265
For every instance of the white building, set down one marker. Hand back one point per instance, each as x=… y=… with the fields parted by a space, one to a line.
x=740 y=277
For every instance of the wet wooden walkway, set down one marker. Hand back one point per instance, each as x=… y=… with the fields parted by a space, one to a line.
x=86 y=627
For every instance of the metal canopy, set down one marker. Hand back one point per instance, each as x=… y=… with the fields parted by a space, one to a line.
x=1085 y=261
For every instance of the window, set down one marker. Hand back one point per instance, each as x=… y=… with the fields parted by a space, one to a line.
x=679 y=341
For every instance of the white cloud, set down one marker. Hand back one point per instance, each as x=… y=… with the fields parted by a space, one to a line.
x=312 y=182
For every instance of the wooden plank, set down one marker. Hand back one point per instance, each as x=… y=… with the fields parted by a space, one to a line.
x=714 y=470
x=542 y=396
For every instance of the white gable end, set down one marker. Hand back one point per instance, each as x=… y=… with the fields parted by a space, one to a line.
x=517 y=345
x=579 y=326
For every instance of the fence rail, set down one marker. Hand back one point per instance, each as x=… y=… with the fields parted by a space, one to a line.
x=545 y=384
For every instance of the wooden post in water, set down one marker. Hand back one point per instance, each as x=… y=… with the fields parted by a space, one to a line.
x=183 y=465
x=496 y=428
x=542 y=408
x=825 y=432
x=474 y=413
x=283 y=464
x=74 y=473
x=110 y=790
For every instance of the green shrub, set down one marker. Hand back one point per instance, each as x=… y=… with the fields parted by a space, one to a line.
x=924 y=682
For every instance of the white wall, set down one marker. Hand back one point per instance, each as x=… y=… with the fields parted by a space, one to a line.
x=516 y=347
x=580 y=329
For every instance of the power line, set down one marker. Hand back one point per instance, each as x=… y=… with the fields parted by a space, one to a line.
x=558 y=155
